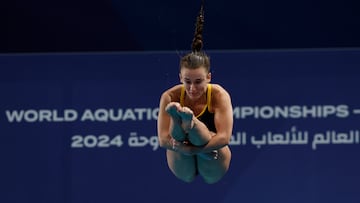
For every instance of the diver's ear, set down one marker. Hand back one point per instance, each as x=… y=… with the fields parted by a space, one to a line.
x=208 y=77
x=180 y=78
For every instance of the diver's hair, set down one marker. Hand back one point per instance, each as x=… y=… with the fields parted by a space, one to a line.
x=197 y=43
x=197 y=57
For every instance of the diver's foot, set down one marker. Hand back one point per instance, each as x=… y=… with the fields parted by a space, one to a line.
x=187 y=116
x=173 y=110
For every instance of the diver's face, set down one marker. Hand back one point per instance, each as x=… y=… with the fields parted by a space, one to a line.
x=195 y=81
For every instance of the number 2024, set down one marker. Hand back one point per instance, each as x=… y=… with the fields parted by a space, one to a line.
x=92 y=141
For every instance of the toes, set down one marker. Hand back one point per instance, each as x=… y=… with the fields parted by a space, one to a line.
x=186 y=113
x=172 y=110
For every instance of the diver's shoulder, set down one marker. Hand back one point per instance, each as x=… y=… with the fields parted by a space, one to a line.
x=173 y=92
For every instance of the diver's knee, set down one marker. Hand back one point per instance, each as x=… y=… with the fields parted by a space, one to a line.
x=211 y=180
x=187 y=179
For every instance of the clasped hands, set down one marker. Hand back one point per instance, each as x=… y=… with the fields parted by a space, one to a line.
x=188 y=149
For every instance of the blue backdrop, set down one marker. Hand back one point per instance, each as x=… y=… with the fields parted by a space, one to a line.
x=82 y=127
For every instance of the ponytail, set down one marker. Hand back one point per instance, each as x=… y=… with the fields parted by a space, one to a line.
x=197 y=43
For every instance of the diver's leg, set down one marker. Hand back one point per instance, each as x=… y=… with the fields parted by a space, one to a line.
x=182 y=166
x=213 y=170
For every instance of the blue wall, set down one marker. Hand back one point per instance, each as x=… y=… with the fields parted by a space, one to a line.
x=82 y=127
x=118 y=25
